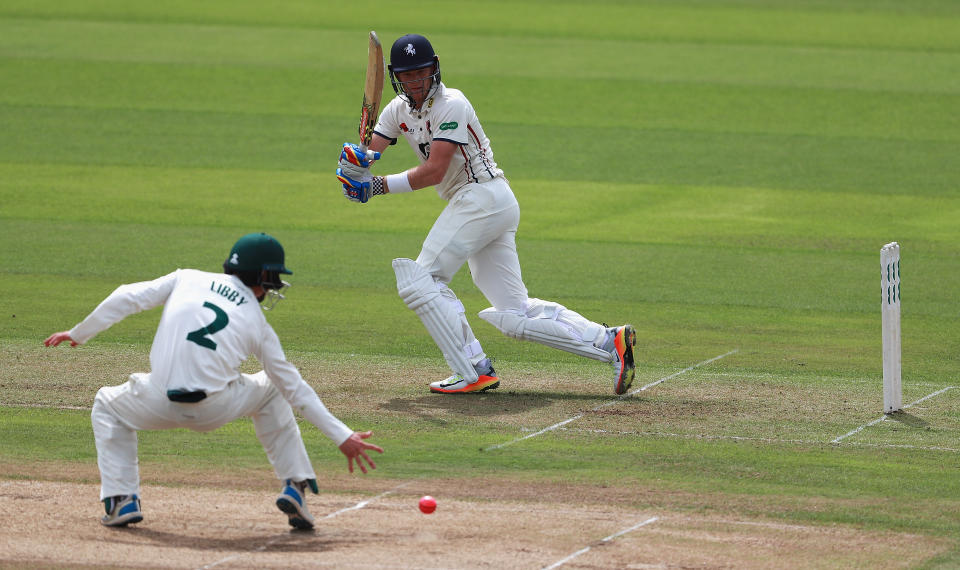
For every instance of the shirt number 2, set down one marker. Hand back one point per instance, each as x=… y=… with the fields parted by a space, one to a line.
x=199 y=336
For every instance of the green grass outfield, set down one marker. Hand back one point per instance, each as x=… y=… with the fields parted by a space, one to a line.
x=720 y=174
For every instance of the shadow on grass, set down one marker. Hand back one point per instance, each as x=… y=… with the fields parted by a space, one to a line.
x=487 y=404
x=907 y=419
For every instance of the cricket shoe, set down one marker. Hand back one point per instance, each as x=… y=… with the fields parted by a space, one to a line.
x=457 y=384
x=621 y=346
x=293 y=502
x=121 y=510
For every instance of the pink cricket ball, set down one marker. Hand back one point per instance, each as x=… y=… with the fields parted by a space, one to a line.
x=427 y=504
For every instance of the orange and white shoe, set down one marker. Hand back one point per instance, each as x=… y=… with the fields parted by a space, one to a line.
x=457 y=384
x=624 y=340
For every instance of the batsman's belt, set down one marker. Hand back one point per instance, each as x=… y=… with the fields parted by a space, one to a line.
x=185 y=397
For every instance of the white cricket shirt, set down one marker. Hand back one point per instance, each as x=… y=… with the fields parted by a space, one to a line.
x=447 y=116
x=211 y=323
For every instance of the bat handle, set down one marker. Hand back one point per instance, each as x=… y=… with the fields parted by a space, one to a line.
x=367 y=153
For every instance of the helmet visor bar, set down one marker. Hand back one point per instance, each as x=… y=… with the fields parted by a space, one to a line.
x=273 y=296
x=423 y=87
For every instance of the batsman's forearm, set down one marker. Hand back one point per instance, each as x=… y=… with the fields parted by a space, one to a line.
x=397 y=183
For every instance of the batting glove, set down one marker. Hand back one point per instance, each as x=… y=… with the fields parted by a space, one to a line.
x=354 y=190
x=355 y=163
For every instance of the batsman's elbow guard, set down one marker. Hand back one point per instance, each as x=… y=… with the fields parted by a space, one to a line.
x=356 y=156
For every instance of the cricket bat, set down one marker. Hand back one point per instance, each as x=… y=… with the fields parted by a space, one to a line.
x=372 y=90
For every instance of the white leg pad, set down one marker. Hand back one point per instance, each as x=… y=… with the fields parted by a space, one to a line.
x=441 y=314
x=552 y=325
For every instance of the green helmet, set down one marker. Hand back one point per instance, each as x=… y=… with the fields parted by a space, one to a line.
x=252 y=255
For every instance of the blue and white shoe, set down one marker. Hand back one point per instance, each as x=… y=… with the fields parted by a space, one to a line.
x=121 y=510
x=294 y=504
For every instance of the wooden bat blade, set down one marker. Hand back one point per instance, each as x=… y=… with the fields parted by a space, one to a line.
x=372 y=90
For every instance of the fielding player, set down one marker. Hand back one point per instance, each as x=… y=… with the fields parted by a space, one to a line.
x=478 y=226
x=211 y=323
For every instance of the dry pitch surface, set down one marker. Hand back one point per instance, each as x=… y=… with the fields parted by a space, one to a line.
x=54 y=525
x=194 y=521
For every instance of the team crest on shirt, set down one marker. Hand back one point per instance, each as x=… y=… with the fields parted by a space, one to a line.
x=403 y=127
x=409 y=50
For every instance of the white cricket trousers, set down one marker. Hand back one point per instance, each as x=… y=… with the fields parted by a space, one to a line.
x=479 y=226
x=119 y=412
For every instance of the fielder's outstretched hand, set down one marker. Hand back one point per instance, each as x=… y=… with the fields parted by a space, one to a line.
x=57 y=338
x=354 y=448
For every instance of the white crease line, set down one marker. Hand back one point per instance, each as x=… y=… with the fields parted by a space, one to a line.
x=825 y=381
x=611 y=402
x=276 y=539
x=528 y=436
x=904 y=446
x=362 y=504
x=883 y=417
x=670 y=377
x=760 y=439
x=928 y=396
x=607 y=539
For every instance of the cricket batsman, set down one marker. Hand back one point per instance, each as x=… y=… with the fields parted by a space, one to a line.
x=211 y=323
x=478 y=226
